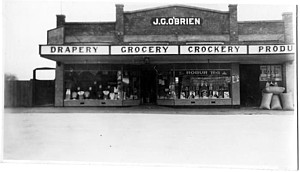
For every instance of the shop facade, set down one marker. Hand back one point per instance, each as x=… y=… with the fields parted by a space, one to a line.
x=172 y=55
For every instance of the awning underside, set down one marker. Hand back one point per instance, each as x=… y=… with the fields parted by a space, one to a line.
x=156 y=59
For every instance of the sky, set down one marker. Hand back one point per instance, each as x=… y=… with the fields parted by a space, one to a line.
x=25 y=24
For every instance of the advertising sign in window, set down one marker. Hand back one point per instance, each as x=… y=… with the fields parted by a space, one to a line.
x=270 y=73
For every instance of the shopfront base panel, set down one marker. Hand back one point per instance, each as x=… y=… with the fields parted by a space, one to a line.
x=199 y=102
x=93 y=103
x=131 y=102
x=164 y=102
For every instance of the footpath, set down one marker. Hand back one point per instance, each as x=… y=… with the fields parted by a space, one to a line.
x=153 y=109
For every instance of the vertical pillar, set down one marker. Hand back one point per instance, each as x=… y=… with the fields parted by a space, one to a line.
x=235 y=90
x=289 y=71
x=289 y=76
x=233 y=24
x=119 y=22
x=288 y=27
x=59 y=85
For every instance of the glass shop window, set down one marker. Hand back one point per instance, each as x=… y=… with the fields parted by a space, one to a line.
x=203 y=84
x=131 y=83
x=105 y=85
x=271 y=73
x=166 y=86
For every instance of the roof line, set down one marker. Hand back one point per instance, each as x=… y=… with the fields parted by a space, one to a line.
x=176 y=5
x=112 y=22
x=260 y=21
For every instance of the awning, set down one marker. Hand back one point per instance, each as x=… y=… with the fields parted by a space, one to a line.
x=129 y=54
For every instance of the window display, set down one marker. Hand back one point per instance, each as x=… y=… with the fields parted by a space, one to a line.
x=166 y=86
x=193 y=87
x=121 y=85
x=204 y=84
x=131 y=85
x=101 y=84
x=270 y=73
x=194 y=84
x=84 y=85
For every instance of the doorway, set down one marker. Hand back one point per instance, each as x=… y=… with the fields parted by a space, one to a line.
x=249 y=85
x=148 y=84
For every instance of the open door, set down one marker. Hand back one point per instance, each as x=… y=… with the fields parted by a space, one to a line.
x=250 y=86
x=148 y=84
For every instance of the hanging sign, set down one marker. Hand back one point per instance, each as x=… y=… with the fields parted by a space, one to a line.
x=213 y=49
x=271 y=49
x=74 y=50
x=144 y=50
x=210 y=72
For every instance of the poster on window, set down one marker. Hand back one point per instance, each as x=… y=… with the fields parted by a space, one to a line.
x=270 y=73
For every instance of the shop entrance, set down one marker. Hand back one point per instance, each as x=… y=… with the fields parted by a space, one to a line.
x=249 y=85
x=148 y=84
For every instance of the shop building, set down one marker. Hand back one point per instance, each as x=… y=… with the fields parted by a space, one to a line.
x=173 y=55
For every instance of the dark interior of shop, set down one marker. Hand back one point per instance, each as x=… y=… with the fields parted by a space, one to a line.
x=250 y=85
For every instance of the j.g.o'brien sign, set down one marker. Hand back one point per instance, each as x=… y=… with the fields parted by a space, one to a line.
x=176 y=21
x=74 y=50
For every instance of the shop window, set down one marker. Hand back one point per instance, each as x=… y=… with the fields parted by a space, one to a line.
x=131 y=84
x=166 y=86
x=203 y=84
x=81 y=85
x=270 y=73
x=103 y=85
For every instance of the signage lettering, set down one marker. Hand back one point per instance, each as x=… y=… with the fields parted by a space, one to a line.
x=176 y=21
x=165 y=49
x=270 y=73
x=270 y=49
x=213 y=49
x=74 y=50
x=205 y=72
x=127 y=50
x=150 y=49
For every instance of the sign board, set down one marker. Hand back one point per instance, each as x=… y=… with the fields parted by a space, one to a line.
x=206 y=73
x=176 y=21
x=213 y=49
x=165 y=49
x=74 y=50
x=270 y=73
x=144 y=50
x=271 y=49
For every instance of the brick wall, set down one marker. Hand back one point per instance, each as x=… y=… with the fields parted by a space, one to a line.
x=261 y=27
x=89 y=32
x=139 y=23
x=88 y=29
x=56 y=36
x=233 y=24
x=288 y=27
